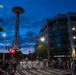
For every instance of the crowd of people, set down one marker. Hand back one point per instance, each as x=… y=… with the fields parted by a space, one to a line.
x=64 y=65
x=8 y=65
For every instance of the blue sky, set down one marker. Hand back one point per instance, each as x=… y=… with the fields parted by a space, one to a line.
x=31 y=21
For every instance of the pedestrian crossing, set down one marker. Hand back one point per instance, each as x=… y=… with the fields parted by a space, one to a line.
x=40 y=72
x=26 y=73
x=31 y=64
x=35 y=72
x=17 y=73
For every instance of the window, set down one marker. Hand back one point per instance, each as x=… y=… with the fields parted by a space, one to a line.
x=74 y=42
x=75 y=49
x=62 y=27
x=73 y=18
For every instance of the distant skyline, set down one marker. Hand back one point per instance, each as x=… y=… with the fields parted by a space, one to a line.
x=32 y=20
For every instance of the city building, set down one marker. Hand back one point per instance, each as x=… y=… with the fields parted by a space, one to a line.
x=60 y=35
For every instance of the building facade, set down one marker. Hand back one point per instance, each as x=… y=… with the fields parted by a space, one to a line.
x=60 y=35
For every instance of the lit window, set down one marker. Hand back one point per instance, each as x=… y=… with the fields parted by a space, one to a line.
x=74 y=37
x=73 y=28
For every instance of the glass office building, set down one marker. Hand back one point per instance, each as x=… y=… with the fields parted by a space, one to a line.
x=60 y=34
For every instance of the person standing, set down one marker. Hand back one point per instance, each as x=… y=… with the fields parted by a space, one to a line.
x=74 y=67
x=14 y=65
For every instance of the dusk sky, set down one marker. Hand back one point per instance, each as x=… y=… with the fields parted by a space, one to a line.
x=31 y=21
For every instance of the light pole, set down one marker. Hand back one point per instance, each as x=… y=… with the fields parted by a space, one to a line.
x=4 y=35
x=42 y=39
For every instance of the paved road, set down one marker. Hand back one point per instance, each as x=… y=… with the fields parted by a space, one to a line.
x=43 y=71
x=34 y=69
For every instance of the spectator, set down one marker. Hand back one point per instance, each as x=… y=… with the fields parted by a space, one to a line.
x=14 y=65
x=74 y=68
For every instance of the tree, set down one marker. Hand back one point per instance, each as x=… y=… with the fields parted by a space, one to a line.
x=1 y=29
x=33 y=56
x=18 y=55
x=42 y=51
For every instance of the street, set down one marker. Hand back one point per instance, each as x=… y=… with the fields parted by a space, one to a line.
x=42 y=71
x=32 y=68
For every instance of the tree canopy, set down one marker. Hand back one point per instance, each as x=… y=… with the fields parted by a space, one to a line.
x=1 y=29
x=42 y=51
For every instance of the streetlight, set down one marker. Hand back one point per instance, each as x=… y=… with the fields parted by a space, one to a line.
x=42 y=39
x=4 y=35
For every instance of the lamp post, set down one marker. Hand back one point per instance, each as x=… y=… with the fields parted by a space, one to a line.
x=4 y=47
x=42 y=39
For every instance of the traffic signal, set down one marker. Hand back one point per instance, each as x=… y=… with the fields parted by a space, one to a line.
x=12 y=51
x=30 y=51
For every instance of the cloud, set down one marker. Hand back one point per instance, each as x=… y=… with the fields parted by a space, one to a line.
x=26 y=26
x=30 y=33
x=26 y=50
x=27 y=23
x=28 y=39
x=8 y=23
x=27 y=46
x=30 y=22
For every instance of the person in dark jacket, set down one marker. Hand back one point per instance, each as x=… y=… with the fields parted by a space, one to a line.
x=74 y=68
x=14 y=65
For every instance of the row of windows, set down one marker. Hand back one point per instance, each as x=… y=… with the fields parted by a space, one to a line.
x=73 y=18
x=74 y=42
x=60 y=53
